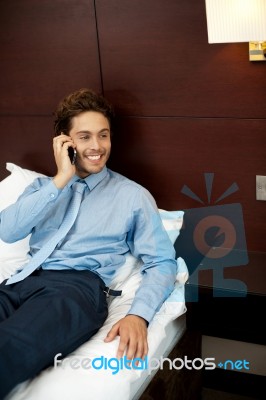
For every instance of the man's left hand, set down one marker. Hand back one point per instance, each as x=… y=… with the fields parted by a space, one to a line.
x=132 y=330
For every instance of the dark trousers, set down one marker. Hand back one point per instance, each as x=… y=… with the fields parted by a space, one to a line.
x=49 y=312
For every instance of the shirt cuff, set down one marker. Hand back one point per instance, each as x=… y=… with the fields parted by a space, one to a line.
x=142 y=310
x=52 y=192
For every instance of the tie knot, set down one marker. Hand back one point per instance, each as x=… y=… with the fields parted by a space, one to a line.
x=79 y=186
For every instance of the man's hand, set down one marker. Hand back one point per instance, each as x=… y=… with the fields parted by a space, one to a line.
x=65 y=170
x=132 y=330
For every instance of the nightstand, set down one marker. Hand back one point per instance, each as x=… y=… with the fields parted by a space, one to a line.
x=226 y=310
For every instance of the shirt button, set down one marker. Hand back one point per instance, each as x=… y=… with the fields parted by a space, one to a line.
x=52 y=195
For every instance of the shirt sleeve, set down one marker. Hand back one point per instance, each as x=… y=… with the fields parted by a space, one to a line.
x=149 y=241
x=18 y=220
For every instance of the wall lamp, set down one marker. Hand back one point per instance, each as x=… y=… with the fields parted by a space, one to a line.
x=231 y=21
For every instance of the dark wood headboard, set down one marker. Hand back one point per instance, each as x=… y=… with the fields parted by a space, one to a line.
x=184 y=107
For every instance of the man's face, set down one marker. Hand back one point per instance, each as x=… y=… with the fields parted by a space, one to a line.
x=91 y=134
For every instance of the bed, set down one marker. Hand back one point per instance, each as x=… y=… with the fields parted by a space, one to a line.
x=91 y=371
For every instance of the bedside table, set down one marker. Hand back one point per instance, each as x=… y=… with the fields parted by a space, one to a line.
x=224 y=309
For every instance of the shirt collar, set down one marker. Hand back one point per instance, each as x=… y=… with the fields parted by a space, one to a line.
x=91 y=180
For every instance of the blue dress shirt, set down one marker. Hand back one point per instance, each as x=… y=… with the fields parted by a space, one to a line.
x=117 y=216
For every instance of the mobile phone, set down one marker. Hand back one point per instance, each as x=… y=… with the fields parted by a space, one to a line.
x=72 y=154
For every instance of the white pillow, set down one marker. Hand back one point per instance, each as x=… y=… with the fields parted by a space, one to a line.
x=13 y=255
x=12 y=186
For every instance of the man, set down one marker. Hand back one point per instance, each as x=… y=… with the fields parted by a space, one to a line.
x=61 y=303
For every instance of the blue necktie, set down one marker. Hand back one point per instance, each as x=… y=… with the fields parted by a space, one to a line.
x=48 y=248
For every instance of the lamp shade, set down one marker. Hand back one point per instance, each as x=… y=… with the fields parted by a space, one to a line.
x=236 y=20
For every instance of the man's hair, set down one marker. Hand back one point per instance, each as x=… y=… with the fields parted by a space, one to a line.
x=76 y=103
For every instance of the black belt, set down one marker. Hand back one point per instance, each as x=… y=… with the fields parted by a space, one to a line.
x=111 y=292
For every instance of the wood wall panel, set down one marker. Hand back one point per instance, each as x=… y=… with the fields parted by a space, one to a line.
x=27 y=142
x=156 y=61
x=48 y=48
x=163 y=154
